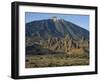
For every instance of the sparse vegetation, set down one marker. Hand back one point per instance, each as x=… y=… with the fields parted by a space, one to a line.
x=56 y=60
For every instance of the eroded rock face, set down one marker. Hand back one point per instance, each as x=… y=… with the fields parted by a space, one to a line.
x=68 y=46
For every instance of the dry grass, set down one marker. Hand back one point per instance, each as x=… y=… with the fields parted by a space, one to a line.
x=56 y=60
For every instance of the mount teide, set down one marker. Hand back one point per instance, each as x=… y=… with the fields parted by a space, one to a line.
x=53 y=36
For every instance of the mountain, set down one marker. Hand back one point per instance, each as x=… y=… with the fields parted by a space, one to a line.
x=56 y=35
x=55 y=28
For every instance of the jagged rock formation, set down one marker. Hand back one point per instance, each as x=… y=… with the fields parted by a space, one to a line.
x=56 y=36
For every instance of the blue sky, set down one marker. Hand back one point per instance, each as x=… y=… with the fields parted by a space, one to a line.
x=81 y=20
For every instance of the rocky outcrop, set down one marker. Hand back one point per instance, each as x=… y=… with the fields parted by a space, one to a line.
x=66 y=45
